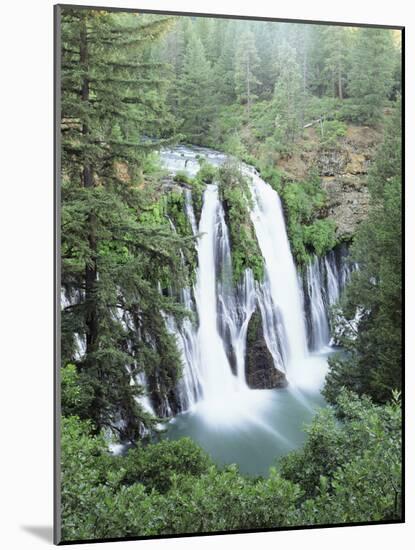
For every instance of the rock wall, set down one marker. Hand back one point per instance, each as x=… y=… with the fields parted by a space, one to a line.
x=343 y=171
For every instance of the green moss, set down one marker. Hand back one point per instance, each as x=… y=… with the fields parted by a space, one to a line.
x=237 y=201
x=183 y=177
x=308 y=231
x=321 y=236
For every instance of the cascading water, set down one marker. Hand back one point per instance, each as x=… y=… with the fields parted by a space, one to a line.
x=268 y=220
x=325 y=279
x=213 y=388
x=319 y=325
x=235 y=305
x=215 y=366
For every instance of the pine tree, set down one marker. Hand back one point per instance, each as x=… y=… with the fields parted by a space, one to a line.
x=336 y=49
x=267 y=39
x=317 y=77
x=288 y=96
x=246 y=65
x=113 y=113
x=196 y=92
x=224 y=69
x=371 y=73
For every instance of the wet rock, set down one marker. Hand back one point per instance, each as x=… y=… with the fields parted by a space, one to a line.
x=259 y=365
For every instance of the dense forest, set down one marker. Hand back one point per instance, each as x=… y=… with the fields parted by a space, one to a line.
x=271 y=95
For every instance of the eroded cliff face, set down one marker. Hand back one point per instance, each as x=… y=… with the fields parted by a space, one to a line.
x=343 y=171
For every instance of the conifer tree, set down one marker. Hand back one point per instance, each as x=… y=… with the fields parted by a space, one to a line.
x=113 y=113
x=374 y=362
x=288 y=97
x=225 y=66
x=246 y=65
x=336 y=49
x=196 y=91
x=371 y=73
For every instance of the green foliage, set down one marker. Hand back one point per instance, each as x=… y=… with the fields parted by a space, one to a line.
x=128 y=85
x=246 y=63
x=363 y=476
x=356 y=459
x=321 y=236
x=371 y=74
x=183 y=177
x=207 y=173
x=373 y=364
x=157 y=465
x=196 y=92
x=331 y=131
x=76 y=394
x=87 y=484
x=349 y=470
x=236 y=197
x=116 y=245
x=303 y=202
x=288 y=99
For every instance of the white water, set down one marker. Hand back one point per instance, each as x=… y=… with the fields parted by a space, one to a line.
x=325 y=280
x=226 y=399
x=217 y=378
x=213 y=389
x=320 y=331
x=281 y=292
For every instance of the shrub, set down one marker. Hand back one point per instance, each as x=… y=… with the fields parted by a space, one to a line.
x=332 y=130
x=155 y=465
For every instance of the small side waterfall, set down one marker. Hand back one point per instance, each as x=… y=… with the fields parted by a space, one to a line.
x=235 y=305
x=319 y=330
x=324 y=280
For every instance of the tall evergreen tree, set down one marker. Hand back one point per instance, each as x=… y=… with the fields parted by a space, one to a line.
x=336 y=49
x=246 y=65
x=196 y=91
x=288 y=96
x=267 y=40
x=225 y=66
x=112 y=103
x=371 y=73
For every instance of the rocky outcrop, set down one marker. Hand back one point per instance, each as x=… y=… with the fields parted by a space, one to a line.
x=259 y=365
x=347 y=202
x=343 y=170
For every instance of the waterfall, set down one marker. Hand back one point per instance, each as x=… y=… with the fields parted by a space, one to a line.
x=319 y=325
x=235 y=305
x=294 y=316
x=324 y=281
x=281 y=296
x=189 y=210
x=216 y=373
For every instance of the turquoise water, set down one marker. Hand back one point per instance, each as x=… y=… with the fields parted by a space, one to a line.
x=268 y=427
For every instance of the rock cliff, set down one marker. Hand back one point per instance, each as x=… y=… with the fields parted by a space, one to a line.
x=343 y=170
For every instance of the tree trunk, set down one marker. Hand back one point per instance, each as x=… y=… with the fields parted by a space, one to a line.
x=91 y=317
x=340 y=85
x=248 y=88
